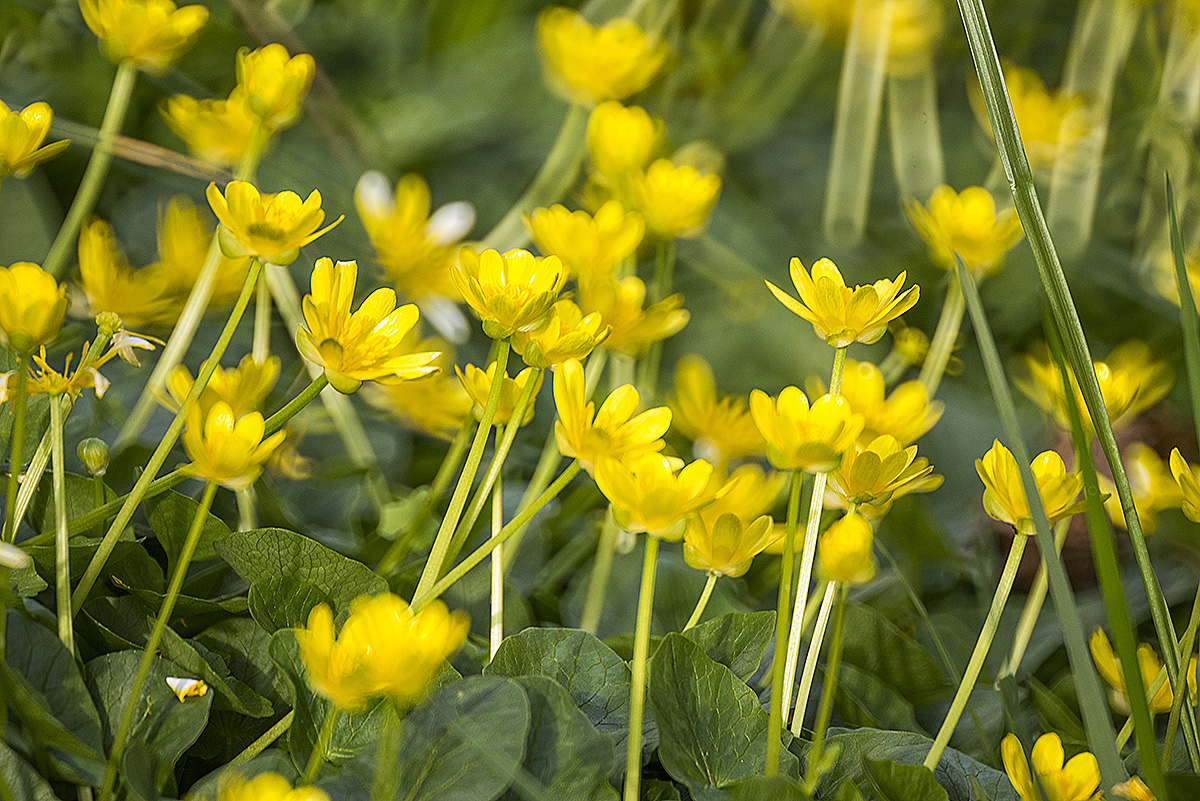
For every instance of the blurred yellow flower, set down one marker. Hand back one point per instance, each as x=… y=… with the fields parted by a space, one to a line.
x=1075 y=781
x=435 y=405
x=366 y=345
x=1149 y=665
x=720 y=428
x=845 y=551
x=1162 y=274
x=264 y=787
x=726 y=547
x=21 y=136
x=620 y=304
x=676 y=201
x=1134 y=789
x=509 y=292
x=913 y=30
x=216 y=131
x=478 y=384
x=842 y=315
x=225 y=449
x=45 y=380
x=590 y=247
x=244 y=388
x=749 y=492
x=612 y=433
x=803 y=438
x=1004 y=496
x=622 y=140
x=912 y=345
x=968 y=225
x=831 y=16
x=563 y=334
x=32 y=306
x=150 y=33
x=1185 y=477
x=652 y=493
x=871 y=477
x=271 y=228
x=275 y=82
x=588 y=65
x=906 y=414
x=1047 y=120
x=184 y=239
x=1151 y=483
x=139 y=297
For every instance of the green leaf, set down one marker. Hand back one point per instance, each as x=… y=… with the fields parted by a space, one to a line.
x=282 y=602
x=763 y=788
x=864 y=700
x=564 y=751
x=171 y=515
x=874 y=645
x=712 y=728
x=848 y=791
x=25 y=581
x=244 y=645
x=1054 y=713
x=23 y=781
x=892 y=781
x=737 y=640
x=656 y=790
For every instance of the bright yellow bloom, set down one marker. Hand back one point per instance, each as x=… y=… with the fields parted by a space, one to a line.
x=150 y=33
x=652 y=494
x=748 y=492
x=271 y=228
x=1004 y=496
x=216 y=131
x=726 y=548
x=620 y=304
x=367 y=345
x=478 y=384
x=622 y=140
x=510 y=292
x=32 y=306
x=967 y=225
x=846 y=552
x=613 y=432
x=906 y=414
x=435 y=405
x=244 y=388
x=676 y=201
x=1076 y=781
x=803 y=438
x=264 y=787
x=139 y=297
x=842 y=315
x=871 y=477
x=21 y=136
x=563 y=334
x=1047 y=120
x=1149 y=665
x=1151 y=483
x=275 y=82
x=183 y=243
x=588 y=65
x=1188 y=485
x=1131 y=381
x=720 y=428
x=590 y=247
x=225 y=449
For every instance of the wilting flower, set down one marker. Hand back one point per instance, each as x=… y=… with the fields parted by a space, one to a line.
x=1048 y=121
x=613 y=432
x=216 y=131
x=1188 y=485
x=726 y=547
x=365 y=345
x=264 y=787
x=652 y=494
x=720 y=429
x=21 y=136
x=845 y=551
x=842 y=315
x=275 y=82
x=271 y=228
x=1075 y=781
x=563 y=334
x=1149 y=666
x=966 y=225
x=227 y=450
x=871 y=477
x=244 y=387
x=510 y=292
x=32 y=306
x=803 y=438
x=906 y=414
x=675 y=200
x=622 y=140
x=478 y=384
x=150 y=33
x=589 y=65
x=590 y=247
x=184 y=239
x=1004 y=495
x=634 y=326
x=45 y=380
x=1150 y=482
x=109 y=284
x=187 y=688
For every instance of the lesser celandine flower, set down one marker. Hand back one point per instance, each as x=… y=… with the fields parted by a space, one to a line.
x=264 y=787
x=590 y=246
x=216 y=131
x=271 y=228
x=1151 y=483
x=511 y=291
x=845 y=551
x=32 y=306
x=968 y=225
x=150 y=33
x=906 y=414
x=1149 y=665
x=1077 y=780
x=225 y=449
x=726 y=547
x=800 y=437
x=365 y=345
x=435 y=405
x=1047 y=120
x=655 y=493
x=478 y=384
x=871 y=477
x=748 y=492
x=1004 y=496
x=1134 y=789
x=675 y=200
x=634 y=325
x=183 y=244
x=563 y=334
x=244 y=387
x=45 y=380
x=622 y=140
x=1188 y=485
x=589 y=65
x=720 y=428
x=109 y=284
x=21 y=136
x=275 y=82
x=842 y=315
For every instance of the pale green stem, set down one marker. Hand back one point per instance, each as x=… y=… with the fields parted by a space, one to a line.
x=810 y=661
x=496 y=632
x=664 y=270
x=1185 y=652
x=782 y=620
x=825 y=710
x=703 y=602
x=893 y=366
x=620 y=371
x=95 y=172
x=321 y=747
x=293 y=407
x=261 y=347
x=606 y=548
x=915 y=134
x=975 y=665
x=98 y=496
x=944 y=337
x=384 y=786
x=148 y=653
x=1033 y=607
x=20 y=402
x=247 y=519
x=637 y=682
x=261 y=744
x=62 y=555
x=1127 y=728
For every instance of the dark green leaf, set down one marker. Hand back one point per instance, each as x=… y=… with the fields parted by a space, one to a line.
x=80 y=496
x=892 y=781
x=23 y=781
x=737 y=640
x=655 y=790
x=848 y=791
x=762 y=788
x=171 y=515
x=874 y=644
x=282 y=602
x=244 y=645
x=1054 y=713
x=863 y=700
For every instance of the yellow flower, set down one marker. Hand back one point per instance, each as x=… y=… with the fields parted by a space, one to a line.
x=45 y=380
x=271 y=228
x=913 y=30
x=912 y=345
x=676 y=201
x=845 y=551
x=478 y=383
x=183 y=243
x=275 y=82
x=726 y=548
x=225 y=449
x=139 y=297
x=1151 y=483
x=967 y=225
x=1075 y=781
x=563 y=334
x=366 y=345
x=589 y=65
x=748 y=492
x=1149 y=665
x=652 y=494
x=21 y=136
x=151 y=33
x=244 y=388
x=509 y=292
x=871 y=477
x=1188 y=485
x=1135 y=789
x=613 y=432
x=32 y=306
x=264 y=787
x=620 y=304
x=1004 y=496
x=216 y=131
x=1047 y=121
x=1131 y=381
x=906 y=414
x=435 y=405
x=590 y=247
x=720 y=429
x=622 y=140
x=831 y=16
x=842 y=315
x=803 y=438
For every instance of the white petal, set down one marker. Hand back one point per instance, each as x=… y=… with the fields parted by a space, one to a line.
x=12 y=556
x=186 y=688
x=374 y=194
x=450 y=223
x=445 y=315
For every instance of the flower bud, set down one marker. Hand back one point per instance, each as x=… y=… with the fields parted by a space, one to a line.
x=93 y=452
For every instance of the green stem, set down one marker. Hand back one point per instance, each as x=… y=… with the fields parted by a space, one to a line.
x=20 y=402
x=944 y=337
x=648 y=367
x=321 y=747
x=62 y=556
x=148 y=653
x=262 y=323
x=293 y=407
x=245 y=506
x=810 y=661
x=703 y=602
x=1185 y=652
x=825 y=710
x=496 y=631
x=384 y=786
x=606 y=548
x=1033 y=607
x=269 y=736
x=637 y=683
x=915 y=134
x=97 y=168
x=98 y=495
x=779 y=661
x=445 y=534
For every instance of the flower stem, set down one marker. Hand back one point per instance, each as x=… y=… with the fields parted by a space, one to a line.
x=703 y=602
x=17 y=433
x=496 y=632
x=664 y=271
x=975 y=665
x=62 y=556
x=637 y=683
x=915 y=134
x=262 y=743
x=779 y=661
x=384 y=786
x=1033 y=608
x=95 y=172
x=321 y=747
x=262 y=323
x=148 y=653
x=245 y=506
x=293 y=407
x=943 y=338
x=606 y=548
x=1185 y=651
x=810 y=661
x=825 y=710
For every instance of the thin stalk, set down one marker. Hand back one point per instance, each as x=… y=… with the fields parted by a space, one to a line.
x=98 y=495
x=637 y=683
x=1189 y=319
x=496 y=631
x=384 y=786
x=262 y=322
x=293 y=407
x=1033 y=608
x=262 y=743
x=20 y=402
x=825 y=710
x=944 y=337
x=810 y=661
x=648 y=367
x=245 y=506
x=703 y=602
x=915 y=134
x=95 y=172
x=606 y=548
x=782 y=621
x=321 y=747
x=1185 y=652
x=148 y=653
x=62 y=555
